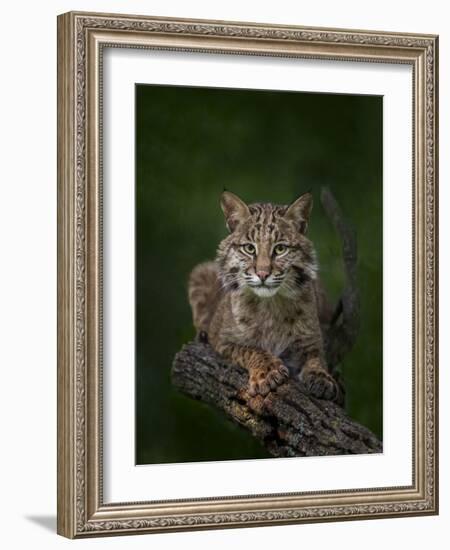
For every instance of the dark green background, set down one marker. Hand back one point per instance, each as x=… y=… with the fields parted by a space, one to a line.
x=191 y=143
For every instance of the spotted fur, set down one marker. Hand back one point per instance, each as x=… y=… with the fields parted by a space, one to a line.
x=258 y=302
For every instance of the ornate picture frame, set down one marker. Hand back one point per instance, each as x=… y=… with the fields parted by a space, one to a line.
x=82 y=38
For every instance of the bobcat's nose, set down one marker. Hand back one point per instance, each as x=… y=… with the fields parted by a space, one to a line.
x=262 y=274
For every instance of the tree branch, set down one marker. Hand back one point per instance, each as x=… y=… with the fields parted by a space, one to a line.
x=341 y=335
x=287 y=422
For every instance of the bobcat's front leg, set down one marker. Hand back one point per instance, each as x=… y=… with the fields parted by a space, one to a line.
x=317 y=381
x=265 y=371
x=314 y=375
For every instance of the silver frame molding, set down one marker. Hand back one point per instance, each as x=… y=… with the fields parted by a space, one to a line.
x=81 y=39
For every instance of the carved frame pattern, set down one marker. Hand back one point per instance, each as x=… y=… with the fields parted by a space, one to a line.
x=81 y=37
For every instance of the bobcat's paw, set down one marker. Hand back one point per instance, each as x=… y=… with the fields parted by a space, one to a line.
x=319 y=383
x=264 y=378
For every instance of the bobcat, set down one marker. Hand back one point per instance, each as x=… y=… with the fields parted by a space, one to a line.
x=258 y=303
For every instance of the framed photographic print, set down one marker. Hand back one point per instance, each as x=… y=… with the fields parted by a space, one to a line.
x=247 y=289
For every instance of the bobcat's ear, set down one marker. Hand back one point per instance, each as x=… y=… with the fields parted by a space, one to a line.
x=299 y=211
x=234 y=209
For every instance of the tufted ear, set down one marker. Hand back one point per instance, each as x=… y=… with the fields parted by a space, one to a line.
x=235 y=210
x=299 y=211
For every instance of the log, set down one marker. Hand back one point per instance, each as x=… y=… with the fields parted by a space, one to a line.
x=287 y=422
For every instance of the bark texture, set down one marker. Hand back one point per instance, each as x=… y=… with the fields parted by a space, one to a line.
x=286 y=421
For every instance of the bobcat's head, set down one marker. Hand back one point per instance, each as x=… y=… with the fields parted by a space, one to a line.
x=267 y=250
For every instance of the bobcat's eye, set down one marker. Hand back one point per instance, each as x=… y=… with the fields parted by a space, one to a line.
x=280 y=249
x=249 y=248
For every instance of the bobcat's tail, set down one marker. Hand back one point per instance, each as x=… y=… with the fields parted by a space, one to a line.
x=204 y=293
